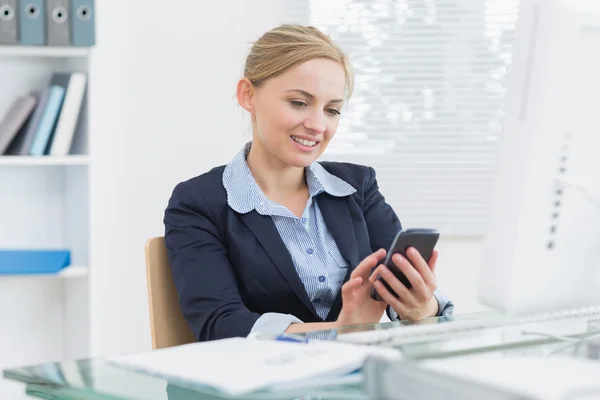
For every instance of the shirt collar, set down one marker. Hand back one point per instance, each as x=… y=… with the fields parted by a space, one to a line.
x=244 y=194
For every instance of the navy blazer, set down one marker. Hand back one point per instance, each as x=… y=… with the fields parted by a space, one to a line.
x=230 y=268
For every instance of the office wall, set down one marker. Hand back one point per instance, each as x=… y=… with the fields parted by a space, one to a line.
x=163 y=110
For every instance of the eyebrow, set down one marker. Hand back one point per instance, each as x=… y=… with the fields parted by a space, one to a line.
x=311 y=96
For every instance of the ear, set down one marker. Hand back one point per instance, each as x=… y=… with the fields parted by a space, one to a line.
x=245 y=94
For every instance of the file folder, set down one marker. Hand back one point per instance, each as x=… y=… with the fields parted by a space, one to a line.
x=8 y=22
x=58 y=22
x=83 y=23
x=15 y=118
x=27 y=136
x=31 y=22
x=21 y=262
x=48 y=121
x=74 y=85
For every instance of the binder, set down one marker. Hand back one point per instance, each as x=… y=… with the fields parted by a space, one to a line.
x=14 y=119
x=8 y=22
x=34 y=261
x=31 y=22
x=69 y=113
x=58 y=23
x=48 y=121
x=25 y=138
x=83 y=22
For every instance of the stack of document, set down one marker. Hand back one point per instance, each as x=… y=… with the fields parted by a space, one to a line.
x=535 y=377
x=239 y=366
x=485 y=376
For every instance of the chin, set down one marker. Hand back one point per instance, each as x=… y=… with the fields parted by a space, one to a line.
x=300 y=161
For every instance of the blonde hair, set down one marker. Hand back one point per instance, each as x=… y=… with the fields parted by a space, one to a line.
x=288 y=45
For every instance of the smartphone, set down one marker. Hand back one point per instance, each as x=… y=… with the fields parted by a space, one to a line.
x=424 y=240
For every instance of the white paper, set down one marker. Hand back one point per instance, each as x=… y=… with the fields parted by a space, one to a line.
x=238 y=365
x=550 y=377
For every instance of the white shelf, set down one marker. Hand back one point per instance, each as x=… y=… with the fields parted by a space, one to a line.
x=72 y=271
x=35 y=161
x=43 y=51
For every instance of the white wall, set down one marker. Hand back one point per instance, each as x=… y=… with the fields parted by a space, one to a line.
x=457 y=269
x=163 y=110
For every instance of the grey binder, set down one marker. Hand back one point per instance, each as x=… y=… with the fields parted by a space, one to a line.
x=14 y=120
x=32 y=14
x=83 y=22
x=58 y=22
x=28 y=132
x=8 y=22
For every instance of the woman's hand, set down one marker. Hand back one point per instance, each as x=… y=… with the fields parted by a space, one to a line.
x=415 y=303
x=357 y=305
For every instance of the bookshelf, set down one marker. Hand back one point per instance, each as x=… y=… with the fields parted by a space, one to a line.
x=44 y=203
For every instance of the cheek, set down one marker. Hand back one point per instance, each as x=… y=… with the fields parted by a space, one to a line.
x=287 y=117
x=284 y=119
x=332 y=126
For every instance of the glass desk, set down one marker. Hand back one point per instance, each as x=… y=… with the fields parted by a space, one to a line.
x=96 y=379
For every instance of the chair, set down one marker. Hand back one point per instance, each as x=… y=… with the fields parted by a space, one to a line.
x=167 y=324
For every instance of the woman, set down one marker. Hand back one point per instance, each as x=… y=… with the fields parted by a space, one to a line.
x=276 y=242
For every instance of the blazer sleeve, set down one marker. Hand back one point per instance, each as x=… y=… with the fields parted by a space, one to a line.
x=207 y=288
x=383 y=225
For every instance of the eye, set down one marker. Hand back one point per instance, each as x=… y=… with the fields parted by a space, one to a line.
x=333 y=111
x=297 y=103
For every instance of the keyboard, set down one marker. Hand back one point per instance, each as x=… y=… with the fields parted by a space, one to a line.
x=511 y=328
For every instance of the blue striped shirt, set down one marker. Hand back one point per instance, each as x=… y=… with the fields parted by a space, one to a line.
x=316 y=257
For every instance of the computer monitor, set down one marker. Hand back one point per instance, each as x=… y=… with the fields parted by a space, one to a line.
x=542 y=248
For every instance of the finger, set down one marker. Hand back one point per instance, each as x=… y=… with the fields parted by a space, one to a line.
x=352 y=284
x=349 y=288
x=433 y=261
x=376 y=273
x=421 y=266
x=364 y=268
x=401 y=290
x=388 y=298
x=419 y=286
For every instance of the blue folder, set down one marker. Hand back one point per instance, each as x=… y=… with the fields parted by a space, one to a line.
x=27 y=262
x=51 y=113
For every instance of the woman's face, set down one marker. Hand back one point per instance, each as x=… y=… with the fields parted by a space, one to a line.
x=296 y=114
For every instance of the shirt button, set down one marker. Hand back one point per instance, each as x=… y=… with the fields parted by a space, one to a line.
x=303 y=220
x=321 y=278
x=309 y=251
x=317 y=300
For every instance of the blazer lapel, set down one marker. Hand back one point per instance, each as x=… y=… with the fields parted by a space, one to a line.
x=339 y=222
x=265 y=231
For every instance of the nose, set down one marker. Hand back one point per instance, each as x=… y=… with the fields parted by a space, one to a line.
x=316 y=122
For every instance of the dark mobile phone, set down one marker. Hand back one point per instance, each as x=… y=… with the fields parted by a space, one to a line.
x=424 y=240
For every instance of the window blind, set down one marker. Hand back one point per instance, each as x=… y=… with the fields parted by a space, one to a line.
x=427 y=106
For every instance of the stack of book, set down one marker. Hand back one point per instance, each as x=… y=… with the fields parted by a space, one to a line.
x=44 y=122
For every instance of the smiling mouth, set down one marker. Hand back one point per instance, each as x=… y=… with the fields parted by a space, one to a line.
x=304 y=142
